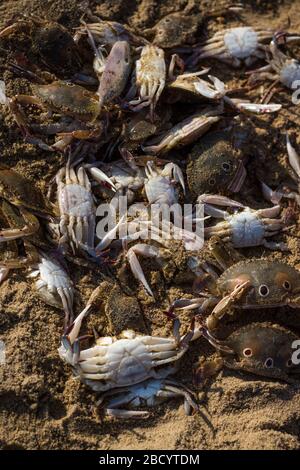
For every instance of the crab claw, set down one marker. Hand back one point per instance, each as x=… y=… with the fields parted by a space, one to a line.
x=69 y=349
x=270 y=195
x=101 y=177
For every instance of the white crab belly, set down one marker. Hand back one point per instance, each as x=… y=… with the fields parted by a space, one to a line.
x=159 y=190
x=53 y=275
x=247 y=230
x=76 y=201
x=127 y=361
x=290 y=73
x=241 y=42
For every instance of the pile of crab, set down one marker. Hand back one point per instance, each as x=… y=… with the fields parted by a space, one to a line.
x=140 y=120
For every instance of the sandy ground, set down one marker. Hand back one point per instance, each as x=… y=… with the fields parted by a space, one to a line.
x=41 y=406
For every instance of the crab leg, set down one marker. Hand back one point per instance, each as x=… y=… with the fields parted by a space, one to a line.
x=183 y=133
x=220 y=309
x=31 y=226
x=294 y=159
x=3 y=274
x=145 y=250
x=125 y=414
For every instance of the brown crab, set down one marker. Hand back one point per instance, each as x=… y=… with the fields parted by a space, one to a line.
x=264 y=349
x=22 y=204
x=215 y=165
x=50 y=42
x=22 y=194
x=79 y=108
x=246 y=284
x=176 y=29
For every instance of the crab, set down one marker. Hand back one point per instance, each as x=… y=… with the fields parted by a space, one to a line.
x=185 y=132
x=27 y=200
x=215 y=165
x=150 y=77
x=176 y=29
x=50 y=42
x=107 y=33
x=246 y=228
x=22 y=208
x=149 y=393
x=54 y=285
x=281 y=69
x=159 y=184
x=235 y=46
x=247 y=284
x=76 y=205
x=79 y=108
x=115 y=73
x=130 y=359
x=263 y=349
x=190 y=85
x=10 y=257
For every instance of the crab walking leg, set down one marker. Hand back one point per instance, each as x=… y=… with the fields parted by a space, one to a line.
x=220 y=309
x=125 y=414
x=110 y=236
x=144 y=250
x=3 y=274
x=183 y=133
x=218 y=344
x=31 y=226
x=171 y=390
x=294 y=159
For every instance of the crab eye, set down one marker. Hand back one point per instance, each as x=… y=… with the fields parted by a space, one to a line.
x=263 y=290
x=247 y=352
x=289 y=363
x=286 y=285
x=226 y=167
x=269 y=363
x=211 y=182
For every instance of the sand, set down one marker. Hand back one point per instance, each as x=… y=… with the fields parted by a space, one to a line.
x=41 y=405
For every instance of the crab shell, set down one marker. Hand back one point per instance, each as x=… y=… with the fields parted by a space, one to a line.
x=272 y=283
x=67 y=98
x=264 y=349
x=20 y=191
x=215 y=166
x=174 y=30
